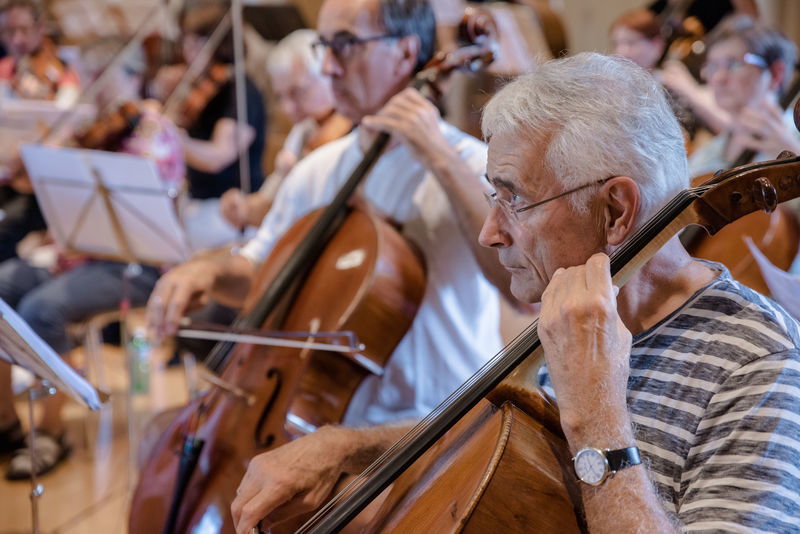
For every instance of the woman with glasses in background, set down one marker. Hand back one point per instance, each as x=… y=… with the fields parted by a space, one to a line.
x=748 y=68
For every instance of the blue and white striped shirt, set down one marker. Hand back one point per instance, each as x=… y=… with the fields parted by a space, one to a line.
x=714 y=395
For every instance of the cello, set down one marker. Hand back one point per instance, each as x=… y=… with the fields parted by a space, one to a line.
x=776 y=234
x=350 y=273
x=489 y=458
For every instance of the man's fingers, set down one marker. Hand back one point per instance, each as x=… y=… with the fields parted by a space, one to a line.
x=260 y=506
x=598 y=275
x=176 y=307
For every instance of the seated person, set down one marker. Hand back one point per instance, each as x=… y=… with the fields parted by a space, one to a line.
x=748 y=68
x=32 y=71
x=695 y=371
x=304 y=94
x=209 y=139
x=74 y=289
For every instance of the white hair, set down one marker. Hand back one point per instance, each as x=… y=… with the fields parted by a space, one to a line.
x=602 y=116
x=297 y=46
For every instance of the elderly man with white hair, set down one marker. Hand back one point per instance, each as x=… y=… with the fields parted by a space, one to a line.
x=678 y=393
x=305 y=98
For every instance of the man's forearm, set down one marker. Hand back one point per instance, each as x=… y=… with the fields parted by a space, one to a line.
x=626 y=502
x=365 y=445
x=233 y=280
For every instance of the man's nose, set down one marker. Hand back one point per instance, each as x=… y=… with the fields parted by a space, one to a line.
x=330 y=64
x=492 y=233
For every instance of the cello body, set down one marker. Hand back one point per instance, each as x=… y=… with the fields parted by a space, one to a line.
x=499 y=469
x=367 y=280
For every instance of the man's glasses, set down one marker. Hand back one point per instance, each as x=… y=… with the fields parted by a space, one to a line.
x=732 y=65
x=512 y=211
x=343 y=43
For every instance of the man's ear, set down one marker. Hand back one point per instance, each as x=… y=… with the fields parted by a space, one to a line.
x=777 y=72
x=621 y=205
x=408 y=47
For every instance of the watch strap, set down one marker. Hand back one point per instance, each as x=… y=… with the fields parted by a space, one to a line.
x=621 y=458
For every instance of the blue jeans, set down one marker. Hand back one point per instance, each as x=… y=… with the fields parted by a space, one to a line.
x=49 y=303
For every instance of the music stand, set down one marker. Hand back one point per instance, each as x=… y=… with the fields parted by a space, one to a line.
x=20 y=345
x=107 y=205
x=110 y=206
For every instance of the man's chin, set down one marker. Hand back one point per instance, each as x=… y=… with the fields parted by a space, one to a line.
x=525 y=290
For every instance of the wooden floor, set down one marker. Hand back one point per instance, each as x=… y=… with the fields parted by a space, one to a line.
x=89 y=493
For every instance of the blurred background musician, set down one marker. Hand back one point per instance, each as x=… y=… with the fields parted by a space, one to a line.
x=31 y=70
x=748 y=68
x=209 y=133
x=304 y=95
x=50 y=291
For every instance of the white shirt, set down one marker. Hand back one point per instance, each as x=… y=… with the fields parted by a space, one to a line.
x=456 y=329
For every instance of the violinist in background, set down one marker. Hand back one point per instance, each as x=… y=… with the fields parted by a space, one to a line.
x=32 y=69
x=636 y=35
x=427 y=181
x=51 y=290
x=304 y=95
x=748 y=68
x=209 y=135
x=687 y=376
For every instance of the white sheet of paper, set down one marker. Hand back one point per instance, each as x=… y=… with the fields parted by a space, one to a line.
x=20 y=345
x=785 y=288
x=65 y=182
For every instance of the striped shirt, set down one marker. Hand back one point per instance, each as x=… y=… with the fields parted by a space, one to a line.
x=714 y=395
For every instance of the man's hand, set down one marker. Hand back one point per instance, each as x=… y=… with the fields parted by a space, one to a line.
x=411 y=119
x=587 y=348
x=234 y=208
x=183 y=285
x=760 y=127
x=290 y=480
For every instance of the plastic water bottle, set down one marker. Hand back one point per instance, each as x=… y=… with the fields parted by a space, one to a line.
x=139 y=354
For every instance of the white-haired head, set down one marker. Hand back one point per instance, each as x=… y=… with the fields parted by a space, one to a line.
x=600 y=116
x=297 y=47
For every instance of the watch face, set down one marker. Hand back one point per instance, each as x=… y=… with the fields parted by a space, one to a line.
x=591 y=466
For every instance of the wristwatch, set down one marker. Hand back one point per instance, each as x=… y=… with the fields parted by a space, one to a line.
x=594 y=466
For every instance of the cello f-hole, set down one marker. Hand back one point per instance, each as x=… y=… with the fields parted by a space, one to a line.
x=273 y=375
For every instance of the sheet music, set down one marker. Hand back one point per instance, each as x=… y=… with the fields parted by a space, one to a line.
x=20 y=345
x=66 y=182
x=785 y=287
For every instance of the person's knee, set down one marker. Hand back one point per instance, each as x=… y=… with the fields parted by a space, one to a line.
x=46 y=318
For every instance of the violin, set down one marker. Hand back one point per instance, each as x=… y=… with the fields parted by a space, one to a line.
x=202 y=92
x=38 y=75
x=492 y=456
x=338 y=269
x=110 y=131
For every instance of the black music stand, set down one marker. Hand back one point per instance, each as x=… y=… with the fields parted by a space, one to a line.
x=20 y=345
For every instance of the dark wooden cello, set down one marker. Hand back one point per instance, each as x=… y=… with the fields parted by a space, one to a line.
x=267 y=397
x=499 y=465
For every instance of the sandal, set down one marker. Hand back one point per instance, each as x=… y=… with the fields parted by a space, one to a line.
x=11 y=438
x=50 y=452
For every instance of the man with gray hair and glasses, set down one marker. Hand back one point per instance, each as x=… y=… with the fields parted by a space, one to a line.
x=679 y=392
x=428 y=181
x=684 y=385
